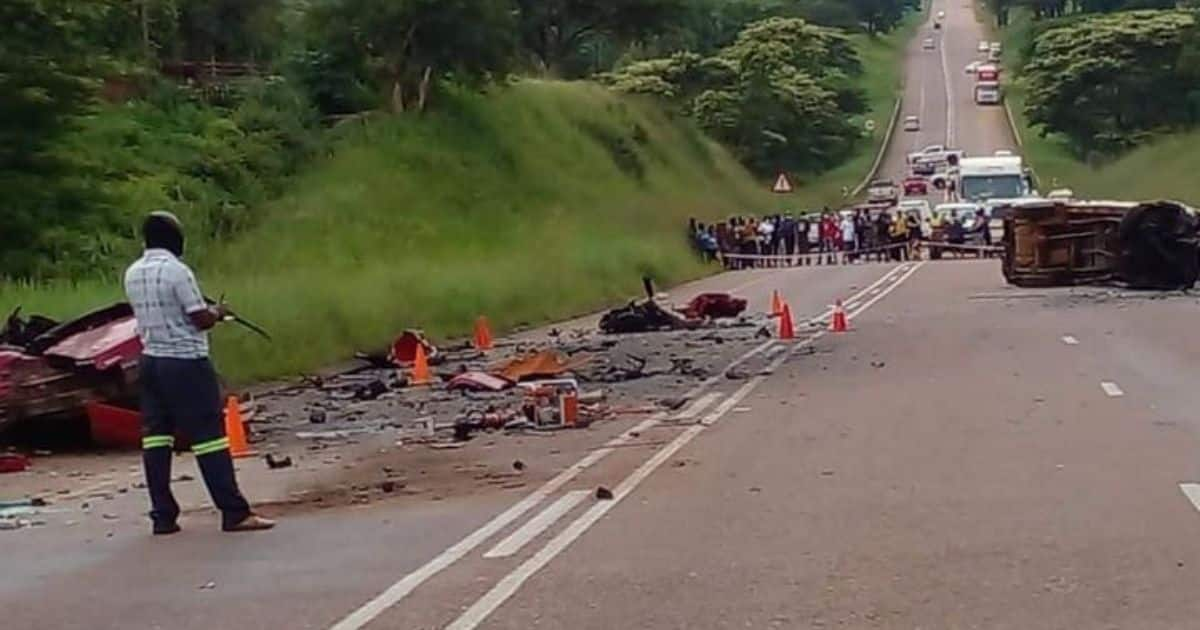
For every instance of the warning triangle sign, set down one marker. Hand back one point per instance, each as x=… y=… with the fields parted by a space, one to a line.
x=782 y=184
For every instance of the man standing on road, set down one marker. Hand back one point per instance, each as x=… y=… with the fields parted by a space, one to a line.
x=179 y=386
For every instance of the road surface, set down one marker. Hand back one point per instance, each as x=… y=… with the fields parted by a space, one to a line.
x=968 y=456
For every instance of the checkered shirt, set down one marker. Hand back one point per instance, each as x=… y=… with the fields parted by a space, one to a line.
x=163 y=291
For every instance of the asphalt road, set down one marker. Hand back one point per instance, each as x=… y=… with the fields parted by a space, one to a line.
x=968 y=456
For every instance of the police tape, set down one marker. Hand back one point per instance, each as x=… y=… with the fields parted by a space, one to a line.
x=842 y=257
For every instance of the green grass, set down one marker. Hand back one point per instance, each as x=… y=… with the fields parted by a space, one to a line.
x=540 y=202
x=882 y=81
x=1163 y=169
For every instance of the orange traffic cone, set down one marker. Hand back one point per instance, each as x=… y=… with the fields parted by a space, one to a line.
x=483 y=334
x=235 y=430
x=776 y=304
x=838 y=323
x=420 y=370
x=787 y=329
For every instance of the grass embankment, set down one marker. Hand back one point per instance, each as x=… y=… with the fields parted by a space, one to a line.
x=882 y=81
x=1164 y=169
x=540 y=202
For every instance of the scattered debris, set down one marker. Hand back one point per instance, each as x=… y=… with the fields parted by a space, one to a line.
x=479 y=382
x=317 y=416
x=404 y=349
x=518 y=465
x=714 y=306
x=371 y=390
x=273 y=463
x=604 y=494
x=388 y=486
x=208 y=586
x=540 y=364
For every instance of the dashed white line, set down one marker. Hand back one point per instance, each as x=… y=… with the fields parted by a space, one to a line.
x=1192 y=492
x=1111 y=389
x=1070 y=341
x=537 y=525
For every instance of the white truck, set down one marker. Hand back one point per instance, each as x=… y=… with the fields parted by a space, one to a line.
x=994 y=182
x=935 y=154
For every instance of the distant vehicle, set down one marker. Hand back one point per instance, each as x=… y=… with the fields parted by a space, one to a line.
x=882 y=191
x=936 y=154
x=941 y=15
x=987 y=72
x=964 y=212
x=916 y=186
x=994 y=47
x=973 y=66
x=924 y=168
x=993 y=55
x=991 y=180
x=927 y=44
x=912 y=123
x=983 y=46
x=987 y=93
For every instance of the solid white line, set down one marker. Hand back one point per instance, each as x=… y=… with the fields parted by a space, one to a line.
x=949 y=94
x=1192 y=492
x=537 y=525
x=511 y=583
x=1070 y=341
x=1111 y=389
x=405 y=586
x=698 y=405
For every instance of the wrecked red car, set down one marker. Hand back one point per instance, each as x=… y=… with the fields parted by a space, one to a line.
x=51 y=370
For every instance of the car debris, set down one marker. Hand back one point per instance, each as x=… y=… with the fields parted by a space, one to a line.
x=540 y=364
x=714 y=306
x=479 y=382
x=1063 y=242
x=274 y=463
x=49 y=373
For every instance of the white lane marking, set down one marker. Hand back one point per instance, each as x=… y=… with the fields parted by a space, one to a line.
x=536 y=525
x=406 y=585
x=506 y=587
x=1111 y=389
x=511 y=583
x=1070 y=341
x=702 y=403
x=949 y=94
x=1192 y=492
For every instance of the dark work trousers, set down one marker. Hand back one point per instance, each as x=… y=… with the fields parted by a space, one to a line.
x=183 y=395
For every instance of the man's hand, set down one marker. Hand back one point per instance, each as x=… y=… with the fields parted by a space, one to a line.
x=211 y=316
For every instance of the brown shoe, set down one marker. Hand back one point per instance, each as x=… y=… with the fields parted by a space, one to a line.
x=252 y=523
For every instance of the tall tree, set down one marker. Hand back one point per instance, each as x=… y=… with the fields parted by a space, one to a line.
x=410 y=43
x=552 y=30
x=1107 y=81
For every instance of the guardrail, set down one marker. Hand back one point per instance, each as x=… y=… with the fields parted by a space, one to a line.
x=887 y=140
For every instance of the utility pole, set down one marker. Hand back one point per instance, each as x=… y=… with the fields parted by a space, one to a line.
x=145 y=30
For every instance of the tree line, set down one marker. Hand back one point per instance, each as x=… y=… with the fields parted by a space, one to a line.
x=1110 y=82
x=109 y=108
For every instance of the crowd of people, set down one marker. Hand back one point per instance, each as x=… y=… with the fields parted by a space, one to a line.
x=745 y=241
x=738 y=241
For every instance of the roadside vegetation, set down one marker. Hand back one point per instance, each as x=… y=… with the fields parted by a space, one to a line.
x=1107 y=102
x=348 y=168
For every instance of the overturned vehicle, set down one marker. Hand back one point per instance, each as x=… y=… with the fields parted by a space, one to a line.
x=1060 y=242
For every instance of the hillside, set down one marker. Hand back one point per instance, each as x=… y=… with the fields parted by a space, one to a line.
x=542 y=201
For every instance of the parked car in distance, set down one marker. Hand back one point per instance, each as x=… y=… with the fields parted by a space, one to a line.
x=973 y=66
x=983 y=46
x=916 y=186
x=912 y=123
x=924 y=168
x=927 y=44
